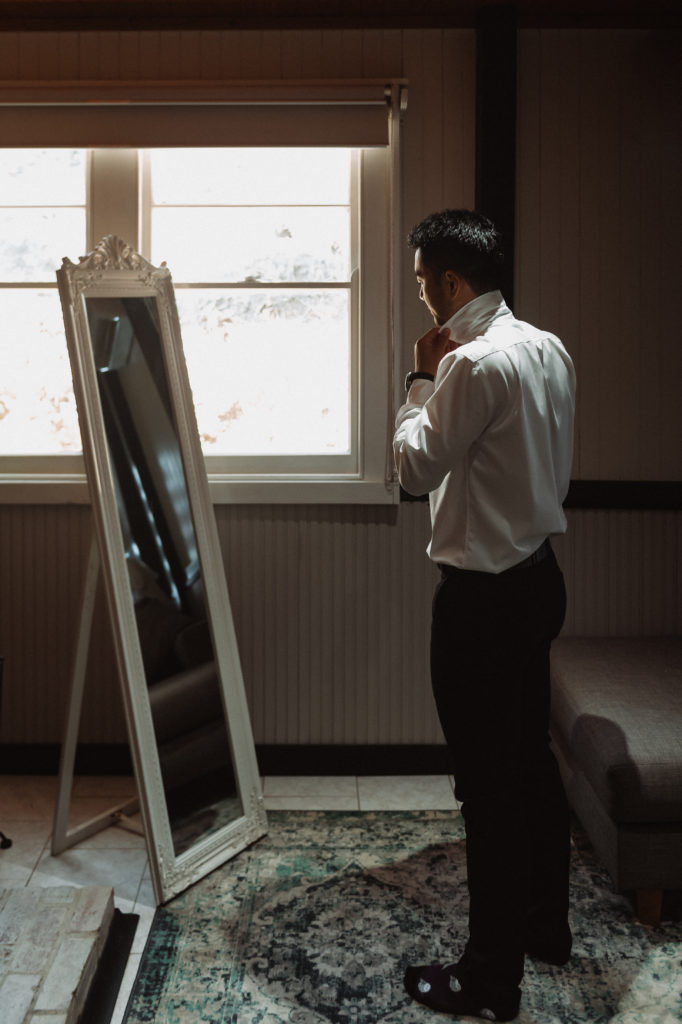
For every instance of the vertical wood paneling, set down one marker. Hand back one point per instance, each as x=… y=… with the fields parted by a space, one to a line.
x=435 y=119
x=43 y=551
x=440 y=67
x=269 y=56
x=599 y=208
x=622 y=573
x=592 y=400
x=10 y=58
x=129 y=58
x=336 y=53
x=170 y=55
x=67 y=47
x=561 y=260
x=415 y=130
x=527 y=249
x=626 y=443
x=345 y=604
x=550 y=211
x=666 y=55
x=601 y=324
x=381 y=52
x=211 y=55
x=459 y=123
x=45 y=55
x=150 y=46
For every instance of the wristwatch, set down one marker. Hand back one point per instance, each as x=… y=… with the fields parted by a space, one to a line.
x=416 y=375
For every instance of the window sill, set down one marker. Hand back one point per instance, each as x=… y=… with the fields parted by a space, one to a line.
x=303 y=490
x=72 y=489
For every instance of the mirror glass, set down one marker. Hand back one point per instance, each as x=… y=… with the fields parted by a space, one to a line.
x=163 y=567
x=183 y=693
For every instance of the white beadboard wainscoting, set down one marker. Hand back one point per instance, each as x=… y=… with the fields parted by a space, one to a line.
x=331 y=608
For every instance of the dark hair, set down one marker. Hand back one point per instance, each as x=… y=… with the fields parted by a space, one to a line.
x=463 y=241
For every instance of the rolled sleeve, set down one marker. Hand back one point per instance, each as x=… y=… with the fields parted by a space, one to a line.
x=437 y=425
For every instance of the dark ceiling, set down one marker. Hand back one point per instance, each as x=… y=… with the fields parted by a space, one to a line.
x=27 y=15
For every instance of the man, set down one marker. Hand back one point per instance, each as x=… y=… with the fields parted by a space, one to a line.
x=487 y=430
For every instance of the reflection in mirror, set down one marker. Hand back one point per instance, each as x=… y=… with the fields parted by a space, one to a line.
x=163 y=568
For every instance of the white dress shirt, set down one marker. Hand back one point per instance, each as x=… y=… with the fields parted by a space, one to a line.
x=491 y=439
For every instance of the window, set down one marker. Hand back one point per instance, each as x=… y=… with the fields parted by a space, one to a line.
x=282 y=261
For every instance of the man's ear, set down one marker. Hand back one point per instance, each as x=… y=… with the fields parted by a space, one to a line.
x=453 y=281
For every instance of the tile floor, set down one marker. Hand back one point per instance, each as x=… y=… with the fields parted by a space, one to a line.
x=117 y=856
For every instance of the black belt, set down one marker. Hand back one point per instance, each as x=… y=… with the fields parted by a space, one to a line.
x=538 y=556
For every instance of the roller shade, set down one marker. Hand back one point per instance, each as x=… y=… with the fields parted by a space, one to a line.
x=140 y=115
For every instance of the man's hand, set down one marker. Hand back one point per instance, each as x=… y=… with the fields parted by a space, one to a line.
x=430 y=349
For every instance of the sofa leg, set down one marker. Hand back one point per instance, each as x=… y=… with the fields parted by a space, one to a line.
x=649 y=906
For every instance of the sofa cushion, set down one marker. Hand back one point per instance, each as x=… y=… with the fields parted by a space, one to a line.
x=617 y=704
x=185 y=702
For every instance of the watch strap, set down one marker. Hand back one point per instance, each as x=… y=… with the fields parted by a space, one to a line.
x=416 y=375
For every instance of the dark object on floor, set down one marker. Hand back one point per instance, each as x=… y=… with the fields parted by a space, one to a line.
x=110 y=969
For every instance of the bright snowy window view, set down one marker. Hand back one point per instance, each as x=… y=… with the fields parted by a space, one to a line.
x=259 y=246
x=42 y=218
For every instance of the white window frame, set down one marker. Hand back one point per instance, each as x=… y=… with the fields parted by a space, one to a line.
x=370 y=479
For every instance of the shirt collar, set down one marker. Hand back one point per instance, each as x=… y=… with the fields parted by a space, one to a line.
x=472 y=320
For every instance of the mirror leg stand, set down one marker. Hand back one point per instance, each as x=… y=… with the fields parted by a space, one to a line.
x=62 y=838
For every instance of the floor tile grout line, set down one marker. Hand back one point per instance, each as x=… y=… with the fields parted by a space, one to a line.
x=139 y=885
x=43 y=850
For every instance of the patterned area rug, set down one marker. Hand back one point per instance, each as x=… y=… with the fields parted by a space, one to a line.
x=316 y=922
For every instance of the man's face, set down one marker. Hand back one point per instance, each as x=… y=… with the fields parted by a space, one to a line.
x=434 y=290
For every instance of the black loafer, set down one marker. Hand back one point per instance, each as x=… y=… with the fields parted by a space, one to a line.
x=438 y=987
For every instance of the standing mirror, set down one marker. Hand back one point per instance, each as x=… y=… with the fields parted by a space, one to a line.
x=183 y=693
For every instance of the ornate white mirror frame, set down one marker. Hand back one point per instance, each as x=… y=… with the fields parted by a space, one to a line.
x=113 y=287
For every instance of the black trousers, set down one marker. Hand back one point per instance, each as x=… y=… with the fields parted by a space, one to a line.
x=490 y=643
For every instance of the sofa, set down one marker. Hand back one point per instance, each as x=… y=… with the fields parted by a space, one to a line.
x=616 y=729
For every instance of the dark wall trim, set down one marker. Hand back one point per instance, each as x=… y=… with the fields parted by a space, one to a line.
x=612 y=494
x=496 y=128
x=354 y=759
x=625 y=494
x=43 y=759
x=273 y=759
x=126 y=15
